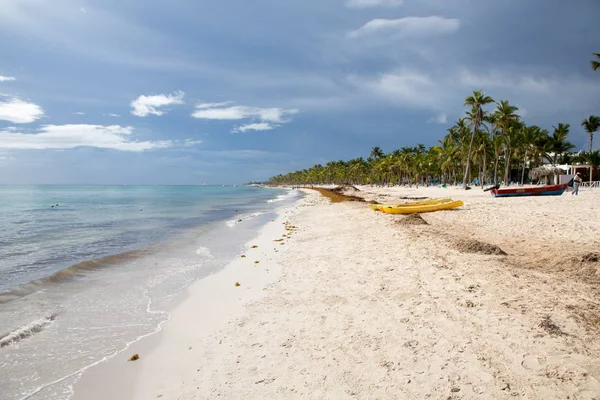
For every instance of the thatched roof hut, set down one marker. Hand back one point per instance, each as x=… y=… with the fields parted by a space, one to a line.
x=545 y=171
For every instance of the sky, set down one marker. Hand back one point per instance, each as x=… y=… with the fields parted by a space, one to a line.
x=231 y=91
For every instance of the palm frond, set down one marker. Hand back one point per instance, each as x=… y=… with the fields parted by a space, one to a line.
x=596 y=64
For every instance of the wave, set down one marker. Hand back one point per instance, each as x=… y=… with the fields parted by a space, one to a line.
x=69 y=273
x=26 y=331
x=232 y=223
x=79 y=372
x=286 y=196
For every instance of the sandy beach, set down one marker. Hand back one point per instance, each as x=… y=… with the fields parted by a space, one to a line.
x=356 y=304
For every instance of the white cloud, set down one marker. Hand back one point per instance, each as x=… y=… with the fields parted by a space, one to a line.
x=373 y=3
x=220 y=112
x=275 y=114
x=405 y=87
x=111 y=115
x=200 y=106
x=260 y=126
x=78 y=135
x=78 y=113
x=189 y=142
x=269 y=118
x=407 y=27
x=146 y=105
x=223 y=113
x=445 y=91
x=499 y=79
x=20 y=112
x=7 y=78
x=441 y=118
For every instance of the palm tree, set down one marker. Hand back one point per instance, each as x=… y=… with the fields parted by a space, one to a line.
x=590 y=157
x=376 y=152
x=477 y=101
x=506 y=115
x=498 y=146
x=558 y=144
x=531 y=136
x=511 y=142
x=596 y=64
x=591 y=125
x=540 y=148
x=470 y=143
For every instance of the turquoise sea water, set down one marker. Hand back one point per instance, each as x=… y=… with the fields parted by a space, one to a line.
x=85 y=270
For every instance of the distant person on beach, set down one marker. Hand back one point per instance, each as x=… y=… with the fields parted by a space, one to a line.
x=576 y=182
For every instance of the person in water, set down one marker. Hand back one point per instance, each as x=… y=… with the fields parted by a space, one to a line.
x=576 y=182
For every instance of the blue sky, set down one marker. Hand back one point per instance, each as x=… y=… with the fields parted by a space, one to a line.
x=190 y=92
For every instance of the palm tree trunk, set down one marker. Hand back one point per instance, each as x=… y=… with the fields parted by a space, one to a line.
x=496 y=170
x=507 y=168
x=469 y=155
x=554 y=165
x=523 y=173
x=484 y=168
x=591 y=141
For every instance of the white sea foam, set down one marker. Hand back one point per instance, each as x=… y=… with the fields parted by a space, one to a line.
x=25 y=331
x=286 y=196
x=204 y=252
x=233 y=222
x=79 y=372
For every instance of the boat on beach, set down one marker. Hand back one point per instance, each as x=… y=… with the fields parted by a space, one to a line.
x=377 y=207
x=423 y=208
x=546 y=190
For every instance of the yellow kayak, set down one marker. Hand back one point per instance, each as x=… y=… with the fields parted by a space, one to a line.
x=377 y=207
x=421 y=208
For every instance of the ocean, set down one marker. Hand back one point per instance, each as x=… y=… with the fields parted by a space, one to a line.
x=87 y=270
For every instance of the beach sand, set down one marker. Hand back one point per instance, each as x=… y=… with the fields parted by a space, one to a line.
x=362 y=305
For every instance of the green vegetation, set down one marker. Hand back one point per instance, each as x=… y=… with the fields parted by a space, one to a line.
x=591 y=125
x=482 y=143
x=596 y=63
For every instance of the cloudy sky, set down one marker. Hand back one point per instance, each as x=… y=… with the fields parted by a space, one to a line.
x=199 y=91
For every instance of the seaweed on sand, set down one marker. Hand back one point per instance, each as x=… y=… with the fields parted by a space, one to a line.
x=336 y=197
x=412 y=219
x=475 y=246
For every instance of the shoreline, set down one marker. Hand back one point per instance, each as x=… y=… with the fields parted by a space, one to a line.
x=365 y=306
x=69 y=326
x=217 y=290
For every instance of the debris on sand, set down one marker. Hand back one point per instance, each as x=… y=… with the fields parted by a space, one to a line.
x=337 y=197
x=134 y=357
x=345 y=187
x=412 y=219
x=237 y=284
x=475 y=246
x=549 y=326
x=588 y=267
x=590 y=258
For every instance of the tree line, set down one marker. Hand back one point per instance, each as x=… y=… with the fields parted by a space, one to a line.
x=477 y=148
x=483 y=146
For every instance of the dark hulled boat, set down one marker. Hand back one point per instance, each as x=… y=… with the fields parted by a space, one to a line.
x=547 y=190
